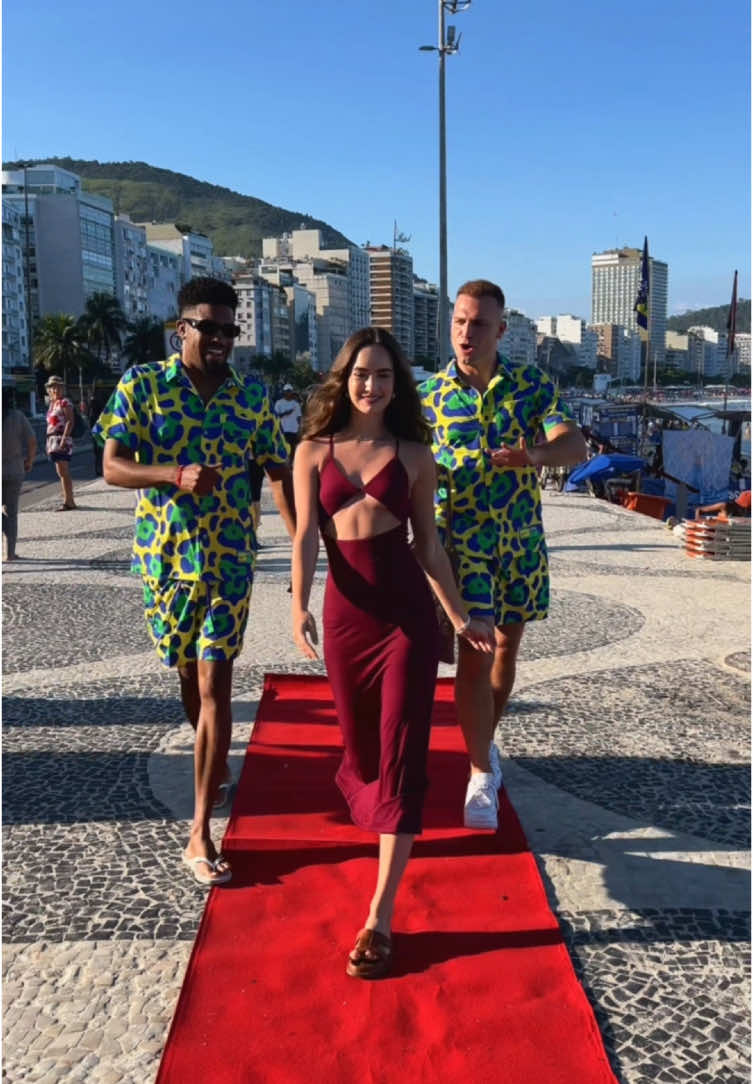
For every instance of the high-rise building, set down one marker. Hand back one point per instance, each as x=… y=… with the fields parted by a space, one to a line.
x=69 y=243
x=676 y=356
x=391 y=291
x=519 y=340
x=615 y=280
x=195 y=250
x=572 y=329
x=131 y=267
x=620 y=351
x=742 y=350
x=16 y=346
x=425 y=324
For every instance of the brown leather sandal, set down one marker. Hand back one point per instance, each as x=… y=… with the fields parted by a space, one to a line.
x=361 y=966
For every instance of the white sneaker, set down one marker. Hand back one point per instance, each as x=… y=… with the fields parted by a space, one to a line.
x=481 y=802
x=496 y=765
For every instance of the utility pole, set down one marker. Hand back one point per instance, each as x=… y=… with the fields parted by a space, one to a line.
x=448 y=44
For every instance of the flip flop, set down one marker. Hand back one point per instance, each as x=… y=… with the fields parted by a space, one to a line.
x=361 y=966
x=224 y=792
x=223 y=875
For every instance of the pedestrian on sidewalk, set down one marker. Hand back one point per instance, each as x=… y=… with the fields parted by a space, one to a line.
x=288 y=410
x=59 y=445
x=94 y=408
x=182 y=431
x=485 y=412
x=362 y=470
x=19 y=449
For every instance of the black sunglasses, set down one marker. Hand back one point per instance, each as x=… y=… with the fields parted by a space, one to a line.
x=212 y=328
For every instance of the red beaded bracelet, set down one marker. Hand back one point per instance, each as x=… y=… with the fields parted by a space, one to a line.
x=178 y=476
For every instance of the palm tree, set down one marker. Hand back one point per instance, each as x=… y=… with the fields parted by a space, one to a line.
x=60 y=344
x=104 y=322
x=145 y=340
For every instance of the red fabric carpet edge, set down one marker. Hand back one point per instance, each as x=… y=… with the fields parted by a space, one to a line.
x=482 y=982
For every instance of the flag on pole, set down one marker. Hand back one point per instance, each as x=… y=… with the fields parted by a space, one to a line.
x=641 y=302
x=732 y=320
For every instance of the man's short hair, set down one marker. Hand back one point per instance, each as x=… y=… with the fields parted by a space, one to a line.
x=482 y=288
x=205 y=290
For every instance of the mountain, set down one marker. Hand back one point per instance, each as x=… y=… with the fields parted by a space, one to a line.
x=715 y=317
x=235 y=223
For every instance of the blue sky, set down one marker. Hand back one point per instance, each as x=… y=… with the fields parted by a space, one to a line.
x=570 y=128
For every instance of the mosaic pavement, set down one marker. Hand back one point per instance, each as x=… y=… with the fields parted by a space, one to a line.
x=627 y=757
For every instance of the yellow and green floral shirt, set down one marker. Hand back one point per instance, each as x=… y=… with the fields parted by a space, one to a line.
x=157 y=413
x=493 y=509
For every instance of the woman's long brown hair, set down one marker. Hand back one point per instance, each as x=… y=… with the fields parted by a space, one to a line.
x=328 y=409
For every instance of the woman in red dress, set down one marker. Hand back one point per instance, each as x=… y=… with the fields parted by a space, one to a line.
x=363 y=469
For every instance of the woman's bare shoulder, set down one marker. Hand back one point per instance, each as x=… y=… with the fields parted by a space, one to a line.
x=313 y=449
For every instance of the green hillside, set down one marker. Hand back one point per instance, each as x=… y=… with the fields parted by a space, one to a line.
x=235 y=223
x=715 y=317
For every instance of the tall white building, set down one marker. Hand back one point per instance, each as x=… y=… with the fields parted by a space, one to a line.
x=335 y=278
x=70 y=238
x=164 y=280
x=16 y=346
x=519 y=340
x=131 y=267
x=573 y=330
x=615 y=281
x=742 y=350
x=195 y=250
x=302 y=247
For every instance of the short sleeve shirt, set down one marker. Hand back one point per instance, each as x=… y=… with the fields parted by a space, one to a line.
x=289 y=412
x=491 y=508
x=158 y=414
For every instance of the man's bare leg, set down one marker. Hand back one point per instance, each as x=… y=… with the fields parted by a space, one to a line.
x=213 y=733
x=507 y=642
x=474 y=703
x=191 y=699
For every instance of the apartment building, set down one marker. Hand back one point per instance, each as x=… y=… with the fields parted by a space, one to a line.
x=519 y=340
x=131 y=267
x=573 y=330
x=391 y=292
x=620 y=351
x=615 y=281
x=16 y=345
x=67 y=228
x=425 y=324
x=195 y=250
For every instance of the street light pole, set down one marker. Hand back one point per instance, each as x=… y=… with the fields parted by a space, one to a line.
x=448 y=44
x=444 y=322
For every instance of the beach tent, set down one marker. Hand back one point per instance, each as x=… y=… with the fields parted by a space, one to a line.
x=603 y=467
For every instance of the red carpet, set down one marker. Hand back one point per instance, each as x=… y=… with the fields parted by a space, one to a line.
x=483 y=988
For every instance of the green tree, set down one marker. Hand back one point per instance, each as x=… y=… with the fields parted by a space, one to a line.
x=104 y=323
x=144 y=341
x=60 y=345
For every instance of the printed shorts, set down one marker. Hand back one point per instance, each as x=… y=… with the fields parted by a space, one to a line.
x=190 y=620
x=511 y=588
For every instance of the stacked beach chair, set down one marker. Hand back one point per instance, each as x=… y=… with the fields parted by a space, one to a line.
x=719 y=539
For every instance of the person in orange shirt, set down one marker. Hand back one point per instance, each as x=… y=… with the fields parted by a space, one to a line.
x=740 y=506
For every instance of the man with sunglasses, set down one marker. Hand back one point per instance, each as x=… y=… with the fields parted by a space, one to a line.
x=182 y=431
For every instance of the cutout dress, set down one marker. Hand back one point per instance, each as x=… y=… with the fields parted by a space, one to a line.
x=381 y=649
